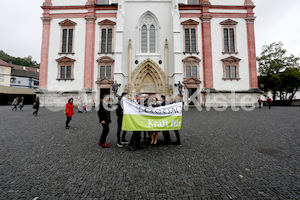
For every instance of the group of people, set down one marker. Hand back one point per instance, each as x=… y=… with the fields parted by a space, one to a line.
x=268 y=102
x=18 y=102
x=134 y=143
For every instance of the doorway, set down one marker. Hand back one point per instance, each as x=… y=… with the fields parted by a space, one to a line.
x=104 y=92
x=191 y=92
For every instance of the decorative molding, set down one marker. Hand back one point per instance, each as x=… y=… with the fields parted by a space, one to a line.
x=231 y=59
x=106 y=22
x=105 y=59
x=192 y=80
x=90 y=18
x=190 y=22
x=67 y=22
x=65 y=59
x=206 y=18
x=46 y=20
x=191 y=60
x=229 y=22
x=105 y=80
x=250 y=19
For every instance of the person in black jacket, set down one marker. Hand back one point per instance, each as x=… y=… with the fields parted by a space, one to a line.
x=104 y=119
x=167 y=138
x=135 y=140
x=119 y=112
x=36 y=106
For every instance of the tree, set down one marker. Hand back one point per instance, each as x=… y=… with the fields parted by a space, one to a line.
x=290 y=83
x=272 y=64
x=27 y=61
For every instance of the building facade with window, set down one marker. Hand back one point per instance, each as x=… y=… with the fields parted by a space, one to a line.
x=148 y=46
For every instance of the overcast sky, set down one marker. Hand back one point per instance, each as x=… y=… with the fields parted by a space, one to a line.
x=21 y=26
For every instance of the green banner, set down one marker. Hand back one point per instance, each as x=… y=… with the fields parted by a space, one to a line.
x=150 y=123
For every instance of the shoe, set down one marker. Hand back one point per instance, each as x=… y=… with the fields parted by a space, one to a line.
x=125 y=142
x=139 y=147
x=132 y=148
x=105 y=145
x=155 y=142
x=119 y=145
x=67 y=127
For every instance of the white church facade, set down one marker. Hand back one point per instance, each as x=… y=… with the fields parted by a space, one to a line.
x=148 y=46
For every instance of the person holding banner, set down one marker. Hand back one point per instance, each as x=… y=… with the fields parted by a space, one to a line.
x=119 y=112
x=167 y=138
x=154 y=135
x=134 y=143
x=104 y=119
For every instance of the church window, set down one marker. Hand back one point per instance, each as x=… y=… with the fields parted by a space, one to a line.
x=65 y=68
x=105 y=68
x=190 y=36
x=144 y=39
x=229 y=36
x=106 y=41
x=67 y=37
x=231 y=68
x=105 y=72
x=191 y=66
x=106 y=36
x=148 y=35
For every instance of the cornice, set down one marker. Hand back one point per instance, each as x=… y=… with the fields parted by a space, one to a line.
x=229 y=22
x=65 y=59
x=106 y=22
x=206 y=18
x=46 y=20
x=190 y=22
x=250 y=20
x=90 y=18
x=231 y=59
x=67 y=22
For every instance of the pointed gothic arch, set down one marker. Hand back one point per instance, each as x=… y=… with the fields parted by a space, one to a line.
x=148 y=69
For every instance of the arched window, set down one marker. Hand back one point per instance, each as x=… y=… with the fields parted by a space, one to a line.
x=144 y=39
x=152 y=39
x=148 y=33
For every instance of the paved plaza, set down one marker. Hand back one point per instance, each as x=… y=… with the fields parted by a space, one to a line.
x=223 y=155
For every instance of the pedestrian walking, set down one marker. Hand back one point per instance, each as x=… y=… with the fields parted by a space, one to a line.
x=36 y=106
x=105 y=120
x=119 y=112
x=134 y=143
x=15 y=104
x=259 y=102
x=21 y=103
x=269 y=102
x=69 y=111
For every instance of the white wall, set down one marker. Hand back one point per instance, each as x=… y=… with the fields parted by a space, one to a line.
x=227 y=2
x=134 y=10
x=79 y=50
x=242 y=49
x=68 y=2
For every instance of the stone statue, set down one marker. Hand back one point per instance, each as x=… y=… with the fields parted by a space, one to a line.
x=116 y=87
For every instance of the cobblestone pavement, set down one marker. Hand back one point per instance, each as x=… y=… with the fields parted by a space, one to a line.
x=224 y=155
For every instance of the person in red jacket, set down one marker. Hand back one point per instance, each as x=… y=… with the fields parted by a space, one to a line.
x=69 y=111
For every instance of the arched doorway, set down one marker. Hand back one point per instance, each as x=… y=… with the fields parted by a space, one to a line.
x=149 y=78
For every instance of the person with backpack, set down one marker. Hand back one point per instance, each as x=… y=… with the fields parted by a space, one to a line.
x=36 y=106
x=69 y=111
